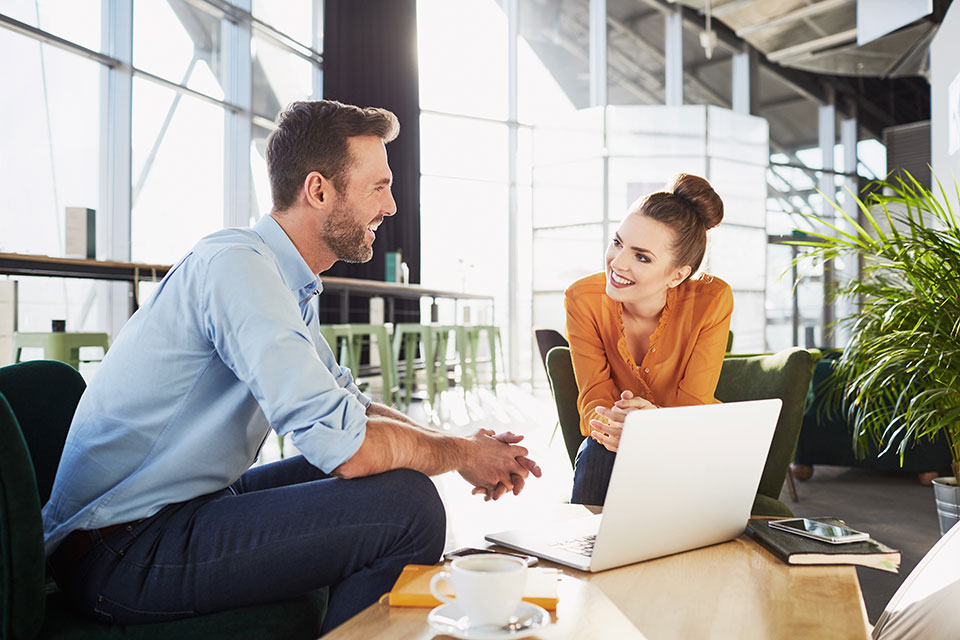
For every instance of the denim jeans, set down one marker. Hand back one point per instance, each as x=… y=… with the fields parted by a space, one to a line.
x=281 y=530
x=591 y=473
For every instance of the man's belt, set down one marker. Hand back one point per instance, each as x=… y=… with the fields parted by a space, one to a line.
x=78 y=543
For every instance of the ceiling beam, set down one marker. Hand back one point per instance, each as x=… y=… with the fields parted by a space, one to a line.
x=799 y=14
x=654 y=52
x=813 y=46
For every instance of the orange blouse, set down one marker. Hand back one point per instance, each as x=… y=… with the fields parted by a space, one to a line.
x=686 y=351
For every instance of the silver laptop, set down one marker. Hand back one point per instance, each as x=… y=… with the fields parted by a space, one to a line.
x=684 y=478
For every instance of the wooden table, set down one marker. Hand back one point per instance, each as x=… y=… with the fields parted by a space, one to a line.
x=732 y=590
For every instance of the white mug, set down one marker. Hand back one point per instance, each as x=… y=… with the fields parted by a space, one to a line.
x=488 y=587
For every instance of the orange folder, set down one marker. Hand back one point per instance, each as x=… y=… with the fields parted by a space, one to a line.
x=412 y=588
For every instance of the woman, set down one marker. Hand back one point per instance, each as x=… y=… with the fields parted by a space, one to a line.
x=644 y=334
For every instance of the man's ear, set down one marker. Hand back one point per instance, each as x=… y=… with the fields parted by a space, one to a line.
x=317 y=190
x=679 y=276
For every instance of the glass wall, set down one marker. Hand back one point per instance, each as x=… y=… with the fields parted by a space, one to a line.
x=151 y=90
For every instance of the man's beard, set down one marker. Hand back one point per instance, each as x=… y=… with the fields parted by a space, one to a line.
x=345 y=236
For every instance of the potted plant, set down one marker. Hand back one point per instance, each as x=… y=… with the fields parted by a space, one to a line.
x=899 y=376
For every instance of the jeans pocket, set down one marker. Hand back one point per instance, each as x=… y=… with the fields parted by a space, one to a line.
x=136 y=613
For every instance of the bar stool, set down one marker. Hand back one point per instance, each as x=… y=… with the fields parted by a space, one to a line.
x=472 y=342
x=340 y=339
x=60 y=345
x=441 y=334
x=407 y=335
x=366 y=333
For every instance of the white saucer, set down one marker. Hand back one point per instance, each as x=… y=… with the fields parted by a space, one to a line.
x=451 y=620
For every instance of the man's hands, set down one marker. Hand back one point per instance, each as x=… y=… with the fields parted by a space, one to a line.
x=609 y=434
x=496 y=464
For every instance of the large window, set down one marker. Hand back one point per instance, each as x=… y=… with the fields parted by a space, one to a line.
x=154 y=114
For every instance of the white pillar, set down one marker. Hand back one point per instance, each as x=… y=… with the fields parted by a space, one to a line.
x=513 y=256
x=318 y=47
x=116 y=93
x=598 y=53
x=827 y=136
x=673 y=54
x=744 y=68
x=851 y=268
x=237 y=72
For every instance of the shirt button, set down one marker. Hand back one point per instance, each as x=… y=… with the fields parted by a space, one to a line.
x=653 y=349
x=647 y=370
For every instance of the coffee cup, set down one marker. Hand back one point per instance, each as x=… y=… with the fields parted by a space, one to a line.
x=488 y=587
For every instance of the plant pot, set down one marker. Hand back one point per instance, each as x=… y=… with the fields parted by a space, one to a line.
x=947 y=494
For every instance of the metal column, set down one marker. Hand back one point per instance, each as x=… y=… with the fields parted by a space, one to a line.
x=673 y=63
x=116 y=108
x=513 y=217
x=317 y=46
x=827 y=136
x=238 y=127
x=744 y=73
x=598 y=53
x=851 y=269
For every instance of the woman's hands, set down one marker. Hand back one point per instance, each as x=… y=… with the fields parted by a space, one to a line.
x=608 y=434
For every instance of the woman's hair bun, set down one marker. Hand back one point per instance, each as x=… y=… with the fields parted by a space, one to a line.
x=700 y=195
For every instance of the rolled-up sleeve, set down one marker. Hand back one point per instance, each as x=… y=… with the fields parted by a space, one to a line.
x=254 y=322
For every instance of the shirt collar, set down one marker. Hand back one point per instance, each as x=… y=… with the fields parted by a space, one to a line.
x=294 y=270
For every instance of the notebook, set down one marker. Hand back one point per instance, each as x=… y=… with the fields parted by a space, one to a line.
x=794 y=549
x=684 y=477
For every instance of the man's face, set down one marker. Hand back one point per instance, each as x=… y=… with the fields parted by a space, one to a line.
x=358 y=210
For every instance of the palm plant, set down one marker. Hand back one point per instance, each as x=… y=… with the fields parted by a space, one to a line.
x=900 y=373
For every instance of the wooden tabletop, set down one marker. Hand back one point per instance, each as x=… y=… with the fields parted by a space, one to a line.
x=732 y=590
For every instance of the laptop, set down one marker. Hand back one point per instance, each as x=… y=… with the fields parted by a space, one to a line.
x=684 y=478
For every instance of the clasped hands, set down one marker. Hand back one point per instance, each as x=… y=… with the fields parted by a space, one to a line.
x=608 y=433
x=497 y=464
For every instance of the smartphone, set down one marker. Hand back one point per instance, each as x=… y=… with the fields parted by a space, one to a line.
x=819 y=529
x=469 y=551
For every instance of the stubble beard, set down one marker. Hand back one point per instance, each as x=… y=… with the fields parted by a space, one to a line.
x=345 y=236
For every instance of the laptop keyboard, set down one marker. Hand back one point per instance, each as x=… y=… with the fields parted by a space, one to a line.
x=582 y=546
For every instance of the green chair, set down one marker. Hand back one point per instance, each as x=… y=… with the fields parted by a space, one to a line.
x=59 y=345
x=37 y=402
x=563 y=385
x=785 y=375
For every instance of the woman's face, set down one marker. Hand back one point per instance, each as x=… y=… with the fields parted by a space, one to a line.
x=639 y=262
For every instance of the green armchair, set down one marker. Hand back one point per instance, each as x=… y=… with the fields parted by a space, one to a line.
x=37 y=402
x=785 y=375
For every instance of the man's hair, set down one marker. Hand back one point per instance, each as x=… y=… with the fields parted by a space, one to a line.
x=312 y=136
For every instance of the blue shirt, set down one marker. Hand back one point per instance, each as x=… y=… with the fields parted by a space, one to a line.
x=228 y=346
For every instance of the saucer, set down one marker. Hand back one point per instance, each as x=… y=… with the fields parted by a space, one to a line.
x=451 y=620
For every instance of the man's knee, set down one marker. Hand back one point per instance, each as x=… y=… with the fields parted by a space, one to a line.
x=418 y=495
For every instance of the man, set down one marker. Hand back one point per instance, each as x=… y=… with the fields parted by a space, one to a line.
x=154 y=514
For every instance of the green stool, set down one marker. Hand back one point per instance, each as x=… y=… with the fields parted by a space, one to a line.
x=340 y=339
x=407 y=335
x=472 y=342
x=61 y=346
x=441 y=335
x=365 y=333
